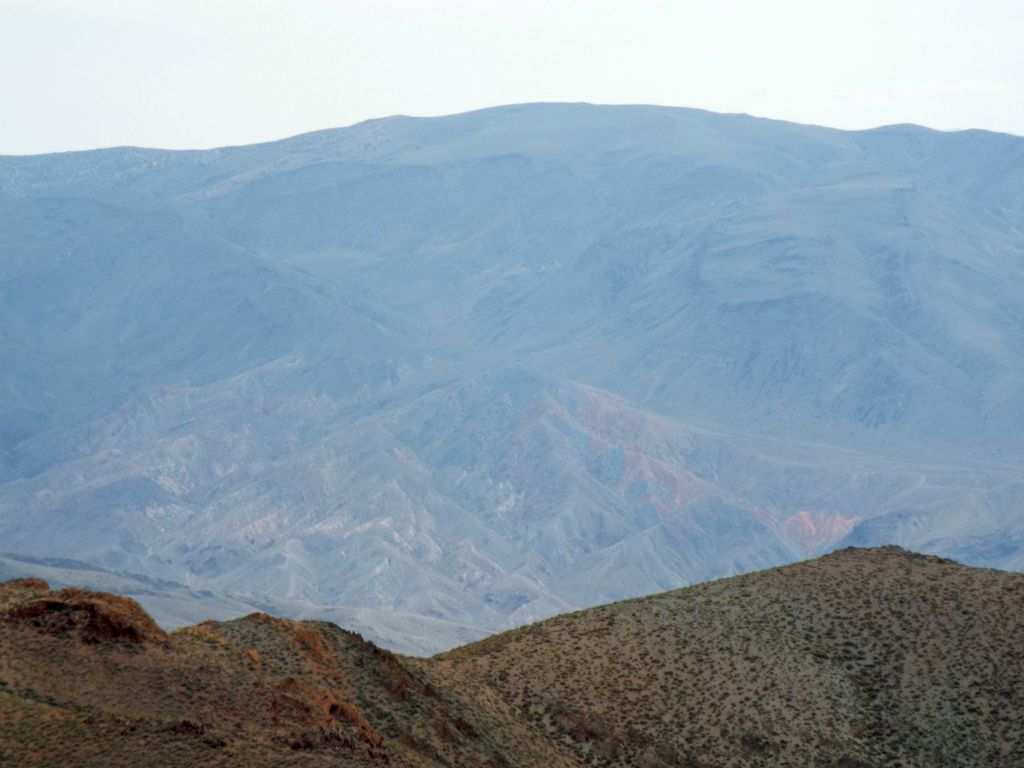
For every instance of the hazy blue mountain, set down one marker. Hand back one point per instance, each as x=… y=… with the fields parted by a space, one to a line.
x=487 y=367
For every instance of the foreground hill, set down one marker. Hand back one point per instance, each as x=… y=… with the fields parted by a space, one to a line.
x=861 y=659
x=87 y=679
x=490 y=367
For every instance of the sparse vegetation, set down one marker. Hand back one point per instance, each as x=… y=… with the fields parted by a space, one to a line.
x=862 y=659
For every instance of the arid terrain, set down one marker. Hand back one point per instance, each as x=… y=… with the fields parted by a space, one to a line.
x=861 y=659
x=488 y=368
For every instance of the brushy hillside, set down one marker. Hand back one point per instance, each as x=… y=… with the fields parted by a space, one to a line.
x=257 y=691
x=861 y=659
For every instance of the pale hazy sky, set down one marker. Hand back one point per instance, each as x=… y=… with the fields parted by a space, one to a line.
x=199 y=73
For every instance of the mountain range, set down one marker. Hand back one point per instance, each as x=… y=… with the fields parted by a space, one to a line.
x=486 y=368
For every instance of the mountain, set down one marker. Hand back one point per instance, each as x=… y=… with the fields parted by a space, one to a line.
x=490 y=367
x=865 y=657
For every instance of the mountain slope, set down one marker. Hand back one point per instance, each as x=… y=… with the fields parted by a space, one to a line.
x=489 y=367
x=861 y=658
x=89 y=680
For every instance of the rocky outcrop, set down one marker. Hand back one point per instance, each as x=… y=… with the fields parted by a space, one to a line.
x=92 y=617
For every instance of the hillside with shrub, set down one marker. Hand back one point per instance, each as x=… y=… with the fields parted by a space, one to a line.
x=861 y=659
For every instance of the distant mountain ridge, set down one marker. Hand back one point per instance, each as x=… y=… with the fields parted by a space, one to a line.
x=494 y=366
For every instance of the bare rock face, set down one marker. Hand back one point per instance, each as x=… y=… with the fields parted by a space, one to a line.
x=92 y=617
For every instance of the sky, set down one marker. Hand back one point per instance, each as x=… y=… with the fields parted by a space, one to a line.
x=204 y=73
